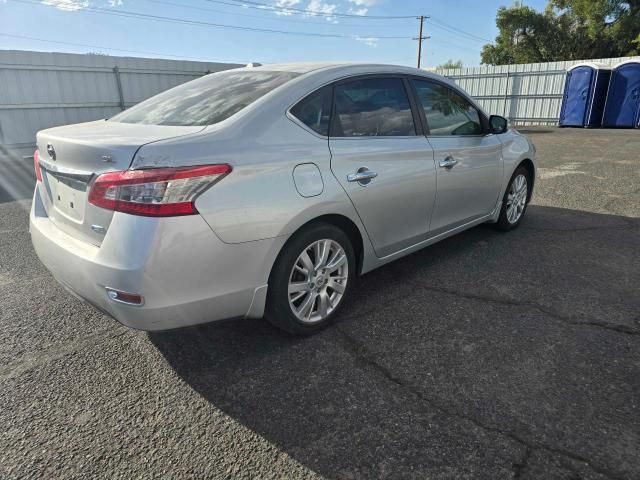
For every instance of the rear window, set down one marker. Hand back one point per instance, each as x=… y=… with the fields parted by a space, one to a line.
x=205 y=101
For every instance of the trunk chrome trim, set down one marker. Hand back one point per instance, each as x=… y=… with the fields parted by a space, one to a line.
x=66 y=171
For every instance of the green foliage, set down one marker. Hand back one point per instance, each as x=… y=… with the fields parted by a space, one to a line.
x=565 y=30
x=449 y=64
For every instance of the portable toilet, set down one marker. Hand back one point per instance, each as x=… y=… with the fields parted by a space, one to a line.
x=623 y=100
x=585 y=92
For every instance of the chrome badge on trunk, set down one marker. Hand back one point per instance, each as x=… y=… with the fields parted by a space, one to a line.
x=51 y=151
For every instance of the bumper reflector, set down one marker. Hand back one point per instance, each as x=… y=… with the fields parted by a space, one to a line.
x=125 y=297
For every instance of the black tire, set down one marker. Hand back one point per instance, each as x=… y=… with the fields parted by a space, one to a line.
x=278 y=310
x=503 y=221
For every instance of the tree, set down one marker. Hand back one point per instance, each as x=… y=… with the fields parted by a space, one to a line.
x=565 y=30
x=449 y=64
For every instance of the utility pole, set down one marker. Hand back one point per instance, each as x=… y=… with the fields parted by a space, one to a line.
x=421 y=38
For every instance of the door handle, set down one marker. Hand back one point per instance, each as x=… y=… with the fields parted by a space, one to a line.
x=448 y=162
x=363 y=176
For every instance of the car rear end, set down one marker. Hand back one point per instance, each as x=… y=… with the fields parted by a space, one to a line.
x=114 y=214
x=131 y=242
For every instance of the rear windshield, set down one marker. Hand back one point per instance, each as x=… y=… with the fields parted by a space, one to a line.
x=205 y=101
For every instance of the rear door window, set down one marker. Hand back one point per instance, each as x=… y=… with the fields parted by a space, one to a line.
x=372 y=107
x=207 y=100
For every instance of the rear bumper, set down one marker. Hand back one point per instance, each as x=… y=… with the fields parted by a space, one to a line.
x=185 y=273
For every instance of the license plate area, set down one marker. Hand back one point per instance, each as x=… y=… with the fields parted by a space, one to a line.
x=68 y=195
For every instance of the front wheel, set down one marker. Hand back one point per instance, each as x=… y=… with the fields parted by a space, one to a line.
x=310 y=280
x=515 y=200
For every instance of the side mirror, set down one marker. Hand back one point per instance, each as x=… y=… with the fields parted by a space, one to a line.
x=498 y=124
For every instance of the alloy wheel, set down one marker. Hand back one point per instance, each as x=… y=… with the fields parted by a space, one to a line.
x=318 y=280
x=517 y=199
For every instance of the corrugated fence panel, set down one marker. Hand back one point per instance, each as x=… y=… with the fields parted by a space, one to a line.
x=529 y=94
x=42 y=90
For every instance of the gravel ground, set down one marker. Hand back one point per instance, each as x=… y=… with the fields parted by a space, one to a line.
x=487 y=355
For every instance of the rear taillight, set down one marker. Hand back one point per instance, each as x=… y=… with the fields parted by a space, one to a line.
x=157 y=192
x=36 y=165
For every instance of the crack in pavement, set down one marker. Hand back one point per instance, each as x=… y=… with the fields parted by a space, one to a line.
x=22 y=281
x=373 y=309
x=365 y=359
x=520 y=467
x=552 y=313
x=33 y=360
x=609 y=203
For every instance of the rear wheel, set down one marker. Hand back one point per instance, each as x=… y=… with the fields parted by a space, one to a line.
x=310 y=279
x=515 y=200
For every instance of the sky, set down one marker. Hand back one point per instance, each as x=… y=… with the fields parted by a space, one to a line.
x=224 y=30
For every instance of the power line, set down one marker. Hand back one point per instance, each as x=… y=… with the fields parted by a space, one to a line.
x=160 y=18
x=302 y=11
x=439 y=41
x=142 y=16
x=277 y=18
x=99 y=47
x=290 y=10
x=142 y=52
x=450 y=28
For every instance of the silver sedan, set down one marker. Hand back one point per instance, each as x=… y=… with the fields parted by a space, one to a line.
x=265 y=191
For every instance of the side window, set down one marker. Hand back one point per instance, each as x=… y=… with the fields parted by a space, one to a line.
x=315 y=111
x=372 y=107
x=447 y=112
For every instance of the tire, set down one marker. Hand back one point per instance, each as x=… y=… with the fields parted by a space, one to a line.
x=510 y=219
x=324 y=289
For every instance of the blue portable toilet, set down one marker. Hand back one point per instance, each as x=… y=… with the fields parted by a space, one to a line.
x=623 y=100
x=585 y=93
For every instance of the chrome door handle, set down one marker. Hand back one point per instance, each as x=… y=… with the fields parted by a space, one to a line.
x=363 y=176
x=358 y=177
x=448 y=162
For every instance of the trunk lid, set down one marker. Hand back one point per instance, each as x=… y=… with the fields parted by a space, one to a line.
x=71 y=156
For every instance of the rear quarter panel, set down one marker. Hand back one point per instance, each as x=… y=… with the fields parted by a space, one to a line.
x=258 y=199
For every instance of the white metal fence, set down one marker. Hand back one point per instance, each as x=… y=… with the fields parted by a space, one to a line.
x=528 y=94
x=41 y=90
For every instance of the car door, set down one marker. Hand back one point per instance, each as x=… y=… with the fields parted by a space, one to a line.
x=382 y=160
x=468 y=160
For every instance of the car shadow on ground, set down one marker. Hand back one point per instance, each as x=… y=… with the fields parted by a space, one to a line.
x=483 y=356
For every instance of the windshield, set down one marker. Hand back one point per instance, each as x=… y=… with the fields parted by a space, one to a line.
x=205 y=101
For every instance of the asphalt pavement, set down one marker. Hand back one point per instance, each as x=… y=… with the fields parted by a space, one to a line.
x=486 y=356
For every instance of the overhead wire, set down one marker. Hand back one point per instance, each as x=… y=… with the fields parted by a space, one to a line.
x=162 y=18
x=451 y=29
x=301 y=11
x=277 y=17
x=101 y=47
x=434 y=22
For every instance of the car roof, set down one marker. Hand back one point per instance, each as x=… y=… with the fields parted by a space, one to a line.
x=309 y=67
x=334 y=70
x=297 y=67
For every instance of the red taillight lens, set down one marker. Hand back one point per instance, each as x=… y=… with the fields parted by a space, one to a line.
x=36 y=165
x=157 y=192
